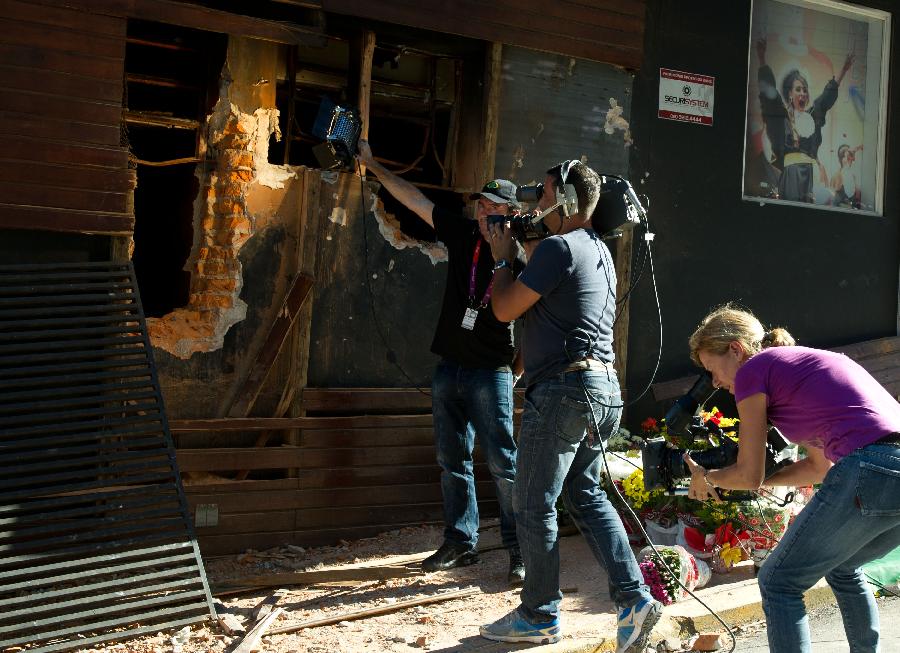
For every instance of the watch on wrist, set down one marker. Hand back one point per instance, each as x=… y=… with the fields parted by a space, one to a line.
x=502 y=263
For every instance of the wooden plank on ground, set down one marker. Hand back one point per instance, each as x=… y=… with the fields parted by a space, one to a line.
x=371 y=612
x=228 y=621
x=251 y=641
x=228 y=543
x=317 y=577
x=264 y=608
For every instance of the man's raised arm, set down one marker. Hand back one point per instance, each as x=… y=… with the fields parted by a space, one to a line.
x=403 y=191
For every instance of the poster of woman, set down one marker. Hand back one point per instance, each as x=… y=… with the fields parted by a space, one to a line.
x=815 y=106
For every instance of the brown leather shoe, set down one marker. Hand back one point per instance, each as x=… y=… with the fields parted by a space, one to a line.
x=450 y=555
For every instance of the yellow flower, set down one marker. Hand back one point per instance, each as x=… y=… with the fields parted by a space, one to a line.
x=634 y=489
x=730 y=555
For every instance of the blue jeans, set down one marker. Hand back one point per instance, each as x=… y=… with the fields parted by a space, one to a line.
x=853 y=518
x=560 y=454
x=468 y=402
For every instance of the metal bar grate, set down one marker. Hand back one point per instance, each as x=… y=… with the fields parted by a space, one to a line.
x=96 y=542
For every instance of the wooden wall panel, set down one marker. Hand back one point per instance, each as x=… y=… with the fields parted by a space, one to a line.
x=601 y=30
x=351 y=479
x=62 y=167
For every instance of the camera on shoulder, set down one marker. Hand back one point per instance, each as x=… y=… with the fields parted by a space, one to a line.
x=617 y=205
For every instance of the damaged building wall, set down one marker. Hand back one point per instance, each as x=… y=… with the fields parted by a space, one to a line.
x=378 y=296
x=245 y=228
x=249 y=216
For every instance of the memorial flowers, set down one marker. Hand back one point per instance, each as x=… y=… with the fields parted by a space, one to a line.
x=671 y=571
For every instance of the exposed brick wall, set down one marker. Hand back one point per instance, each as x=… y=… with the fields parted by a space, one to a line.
x=222 y=225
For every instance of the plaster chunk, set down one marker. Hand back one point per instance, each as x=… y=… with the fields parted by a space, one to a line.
x=614 y=121
x=339 y=216
x=389 y=228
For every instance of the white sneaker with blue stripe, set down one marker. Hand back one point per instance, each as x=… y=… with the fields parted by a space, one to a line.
x=515 y=628
x=635 y=624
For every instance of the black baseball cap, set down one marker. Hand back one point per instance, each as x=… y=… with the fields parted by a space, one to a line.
x=499 y=191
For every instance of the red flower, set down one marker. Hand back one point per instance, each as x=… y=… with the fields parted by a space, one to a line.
x=694 y=538
x=649 y=424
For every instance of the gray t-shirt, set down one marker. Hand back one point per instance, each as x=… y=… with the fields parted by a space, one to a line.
x=573 y=319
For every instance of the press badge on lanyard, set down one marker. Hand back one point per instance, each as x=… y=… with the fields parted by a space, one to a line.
x=471 y=314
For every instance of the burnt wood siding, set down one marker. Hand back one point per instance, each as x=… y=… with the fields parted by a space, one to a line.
x=611 y=31
x=62 y=167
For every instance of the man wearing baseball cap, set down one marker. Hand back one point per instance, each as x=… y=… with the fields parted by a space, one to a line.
x=472 y=386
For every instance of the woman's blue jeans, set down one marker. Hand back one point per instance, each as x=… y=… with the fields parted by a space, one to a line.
x=560 y=455
x=468 y=402
x=853 y=518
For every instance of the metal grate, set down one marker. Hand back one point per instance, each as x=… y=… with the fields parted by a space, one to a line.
x=95 y=538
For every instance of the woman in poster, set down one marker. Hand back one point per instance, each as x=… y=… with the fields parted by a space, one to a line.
x=846 y=184
x=794 y=126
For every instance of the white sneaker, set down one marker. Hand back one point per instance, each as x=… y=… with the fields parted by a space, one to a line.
x=635 y=624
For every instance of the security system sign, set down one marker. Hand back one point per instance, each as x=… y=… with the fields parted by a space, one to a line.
x=687 y=97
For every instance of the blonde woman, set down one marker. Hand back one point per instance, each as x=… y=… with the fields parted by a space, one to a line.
x=850 y=428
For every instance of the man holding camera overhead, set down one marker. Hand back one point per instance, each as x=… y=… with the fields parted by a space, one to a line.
x=572 y=403
x=472 y=386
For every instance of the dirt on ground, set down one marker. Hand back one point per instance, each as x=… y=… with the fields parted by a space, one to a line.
x=439 y=625
x=383 y=574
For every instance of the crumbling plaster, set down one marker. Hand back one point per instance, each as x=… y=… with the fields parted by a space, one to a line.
x=225 y=214
x=241 y=195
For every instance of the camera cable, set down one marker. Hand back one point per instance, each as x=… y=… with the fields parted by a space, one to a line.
x=596 y=431
x=649 y=384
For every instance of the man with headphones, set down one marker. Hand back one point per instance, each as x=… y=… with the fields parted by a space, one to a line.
x=572 y=405
x=472 y=386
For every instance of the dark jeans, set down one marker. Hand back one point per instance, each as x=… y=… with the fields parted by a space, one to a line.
x=468 y=402
x=852 y=519
x=559 y=454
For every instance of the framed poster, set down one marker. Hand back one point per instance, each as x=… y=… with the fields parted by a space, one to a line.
x=816 y=105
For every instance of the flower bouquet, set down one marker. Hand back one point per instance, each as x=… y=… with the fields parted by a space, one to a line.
x=766 y=523
x=670 y=571
x=730 y=546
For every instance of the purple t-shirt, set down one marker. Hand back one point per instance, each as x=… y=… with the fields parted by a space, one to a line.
x=819 y=398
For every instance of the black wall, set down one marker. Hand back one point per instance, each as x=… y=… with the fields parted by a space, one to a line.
x=830 y=277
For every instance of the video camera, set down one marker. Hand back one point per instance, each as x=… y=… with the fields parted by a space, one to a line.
x=618 y=204
x=340 y=127
x=664 y=464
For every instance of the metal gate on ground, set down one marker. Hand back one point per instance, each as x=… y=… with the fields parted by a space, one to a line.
x=95 y=539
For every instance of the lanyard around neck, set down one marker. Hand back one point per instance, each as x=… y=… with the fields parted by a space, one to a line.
x=487 y=292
